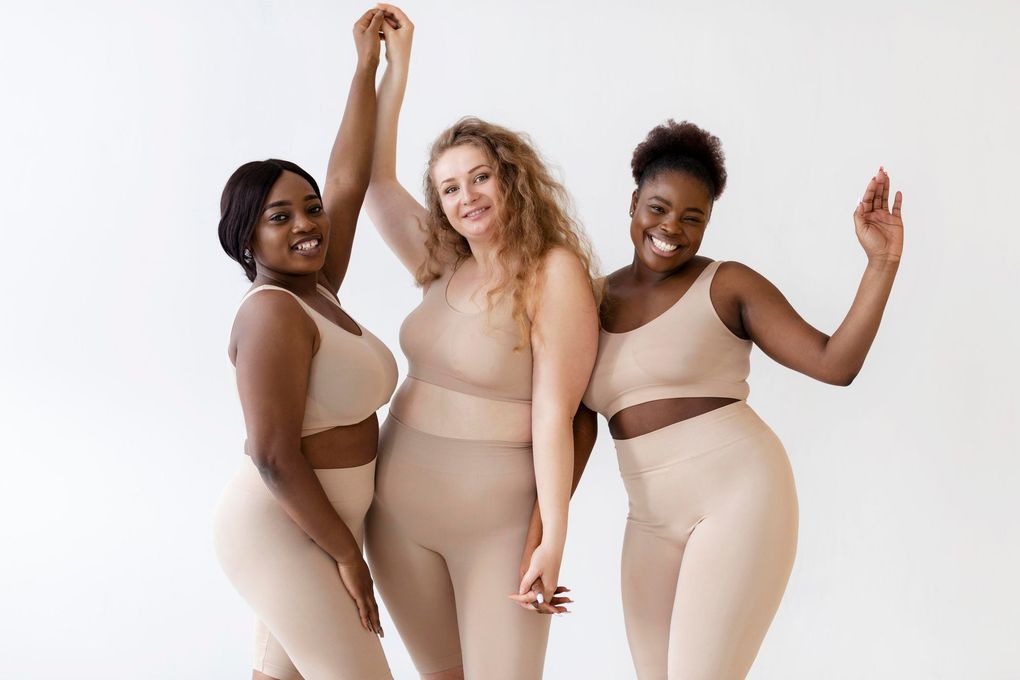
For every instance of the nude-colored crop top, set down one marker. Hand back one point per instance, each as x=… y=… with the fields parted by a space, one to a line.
x=687 y=351
x=469 y=352
x=351 y=376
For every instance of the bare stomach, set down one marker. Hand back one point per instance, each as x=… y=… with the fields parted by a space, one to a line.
x=447 y=413
x=342 y=447
x=640 y=419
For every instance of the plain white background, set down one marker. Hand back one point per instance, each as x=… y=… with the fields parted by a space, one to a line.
x=120 y=425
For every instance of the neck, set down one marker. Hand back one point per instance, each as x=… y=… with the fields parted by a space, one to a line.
x=643 y=276
x=299 y=284
x=484 y=255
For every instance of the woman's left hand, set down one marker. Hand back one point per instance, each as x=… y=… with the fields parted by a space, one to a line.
x=543 y=568
x=879 y=230
x=366 y=36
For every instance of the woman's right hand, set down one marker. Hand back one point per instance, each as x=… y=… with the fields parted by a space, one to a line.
x=366 y=37
x=358 y=581
x=399 y=32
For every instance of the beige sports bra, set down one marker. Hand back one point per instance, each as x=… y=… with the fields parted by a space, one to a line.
x=687 y=351
x=351 y=376
x=469 y=352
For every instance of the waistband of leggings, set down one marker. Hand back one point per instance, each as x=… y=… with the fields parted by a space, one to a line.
x=688 y=438
x=333 y=480
x=456 y=444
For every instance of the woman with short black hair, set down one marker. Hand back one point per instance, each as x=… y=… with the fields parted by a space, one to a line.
x=712 y=528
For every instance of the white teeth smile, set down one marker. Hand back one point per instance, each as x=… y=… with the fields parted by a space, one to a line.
x=475 y=213
x=307 y=245
x=663 y=246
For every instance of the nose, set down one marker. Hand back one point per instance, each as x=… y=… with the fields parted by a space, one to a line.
x=670 y=226
x=468 y=195
x=303 y=222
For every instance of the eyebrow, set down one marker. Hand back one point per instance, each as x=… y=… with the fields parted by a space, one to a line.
x=663 y=200
x=477 y=167
x=278 y=204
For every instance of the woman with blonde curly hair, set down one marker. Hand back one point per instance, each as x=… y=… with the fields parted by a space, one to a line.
x=480 y=433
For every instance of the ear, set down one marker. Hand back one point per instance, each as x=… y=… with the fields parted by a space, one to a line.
x=633 y=202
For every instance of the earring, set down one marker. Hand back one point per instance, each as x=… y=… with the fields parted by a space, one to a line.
x=632 y=213
x=247 y=255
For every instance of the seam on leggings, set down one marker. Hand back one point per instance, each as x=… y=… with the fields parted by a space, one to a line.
x=673 y=463
x=445 y=663
x=278 y=672
x=261 y=658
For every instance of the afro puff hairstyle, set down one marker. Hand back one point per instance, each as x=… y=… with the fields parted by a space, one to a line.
x=681 y=147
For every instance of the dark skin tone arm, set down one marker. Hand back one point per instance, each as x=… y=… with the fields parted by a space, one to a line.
x=350 y=162
x=752 y=307
x=585 y=428
x=272 y=344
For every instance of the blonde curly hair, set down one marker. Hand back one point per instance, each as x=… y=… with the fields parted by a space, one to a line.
x=535 y=216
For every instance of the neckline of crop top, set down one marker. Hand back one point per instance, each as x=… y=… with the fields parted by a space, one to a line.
x=686 y=351
x=350 y=376
x=324 y=292
x=468 y=352
x=707 y=272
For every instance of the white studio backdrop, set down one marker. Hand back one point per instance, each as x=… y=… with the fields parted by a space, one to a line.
x=120 y=423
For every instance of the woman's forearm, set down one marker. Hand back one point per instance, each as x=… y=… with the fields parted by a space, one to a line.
x=296 y=488
x=350 y=161
x=848 y=347
x=390 y=99
x=553 y=444
x=585 y=430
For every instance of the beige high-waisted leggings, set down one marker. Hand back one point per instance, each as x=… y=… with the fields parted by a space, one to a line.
x=445 y=536
x=709 y=546
x=308 y=624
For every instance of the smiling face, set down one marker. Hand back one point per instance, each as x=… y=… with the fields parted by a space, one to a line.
x=465 y=178
x=292 y=232
x=671 y=211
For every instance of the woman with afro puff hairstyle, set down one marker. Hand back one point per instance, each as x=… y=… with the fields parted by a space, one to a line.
x=712 y=528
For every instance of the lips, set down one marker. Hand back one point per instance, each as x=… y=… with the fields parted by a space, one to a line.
x=662 y=247
x=308 y=246
x=472 y=214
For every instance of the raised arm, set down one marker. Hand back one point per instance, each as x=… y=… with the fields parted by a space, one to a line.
x=770 y=321
x=350 y=162
x=273 y=342
x=564 y=340
x=399 y=218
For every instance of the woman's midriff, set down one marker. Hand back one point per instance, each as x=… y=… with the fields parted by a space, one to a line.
x=640 y=419
x=447 y=413
x=342 y=447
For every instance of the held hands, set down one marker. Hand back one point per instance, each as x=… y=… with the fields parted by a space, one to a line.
x=398 y=32
x=879 y=230
x=358 y=582
x=542 y=567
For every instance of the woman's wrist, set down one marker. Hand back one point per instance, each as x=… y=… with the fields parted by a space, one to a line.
x=554 y=535
x=367 y=66
x=884 y=264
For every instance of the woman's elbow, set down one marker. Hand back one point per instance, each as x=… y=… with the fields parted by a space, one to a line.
x=270 y=461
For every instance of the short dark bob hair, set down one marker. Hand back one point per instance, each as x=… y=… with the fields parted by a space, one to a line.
x=681 y=147
x=241 y=204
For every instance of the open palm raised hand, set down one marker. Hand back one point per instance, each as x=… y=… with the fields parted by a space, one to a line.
x=880 y=230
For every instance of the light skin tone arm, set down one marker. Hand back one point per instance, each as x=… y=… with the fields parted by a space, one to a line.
x=564 y=340
x=350 y=162
x=757 y=308
x=396 y=214
x=585 y=431
x=272 y=345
